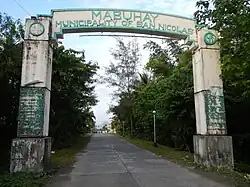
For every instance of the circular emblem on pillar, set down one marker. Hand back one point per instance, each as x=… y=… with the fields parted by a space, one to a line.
x=210 y=38
x=37 y=29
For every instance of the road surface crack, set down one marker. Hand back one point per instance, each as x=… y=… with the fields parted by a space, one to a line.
x=125 y=166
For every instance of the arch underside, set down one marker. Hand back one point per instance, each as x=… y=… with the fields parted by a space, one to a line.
x=121 y=30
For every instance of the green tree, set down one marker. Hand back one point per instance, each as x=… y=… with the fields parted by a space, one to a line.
x=170 y=93
x=72 y=94
x=11 y=34
x=123 y=75
x=172 y=98
x=163 y=60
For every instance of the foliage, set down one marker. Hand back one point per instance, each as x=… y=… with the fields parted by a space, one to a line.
x=72 y=92
x=11 y=32
x=123 y=76
x=123 y=73
x=163 y=60
x=170 y=91
x=204 y=12
x=23 y=179
x=10 y=64
x=72 y=95
x=66 y=156
x=105 y=127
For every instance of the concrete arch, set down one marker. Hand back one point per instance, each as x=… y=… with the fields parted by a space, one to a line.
x=120 y=20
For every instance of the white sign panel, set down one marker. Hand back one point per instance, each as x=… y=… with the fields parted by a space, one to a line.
x=132 y=21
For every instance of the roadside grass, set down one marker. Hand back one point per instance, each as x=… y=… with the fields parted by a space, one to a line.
x=66 y=156
x=235 y=177
x=61 y=158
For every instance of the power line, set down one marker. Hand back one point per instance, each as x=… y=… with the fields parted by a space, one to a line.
x=22 y=7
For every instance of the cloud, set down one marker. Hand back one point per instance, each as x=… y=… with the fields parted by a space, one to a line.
x=98 y=48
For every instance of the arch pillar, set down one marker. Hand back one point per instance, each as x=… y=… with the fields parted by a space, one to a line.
x=212 y=146
x=30 y=151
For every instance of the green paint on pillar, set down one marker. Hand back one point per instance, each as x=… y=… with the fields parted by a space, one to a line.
x=31 y=112
x=215 y=108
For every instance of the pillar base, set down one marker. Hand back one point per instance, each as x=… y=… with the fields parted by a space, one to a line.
x=30 y=154
x=212 y=150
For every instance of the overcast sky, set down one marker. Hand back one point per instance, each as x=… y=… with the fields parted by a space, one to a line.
x=97 y=48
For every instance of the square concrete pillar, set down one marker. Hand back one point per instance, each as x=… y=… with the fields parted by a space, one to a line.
x=31 y=150
x=30 y=154
x=213 y=150
x=211 y=145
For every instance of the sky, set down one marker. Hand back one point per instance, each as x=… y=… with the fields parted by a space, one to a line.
x=98 y=48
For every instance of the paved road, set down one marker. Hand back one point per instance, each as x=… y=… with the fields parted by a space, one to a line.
x=109 y=161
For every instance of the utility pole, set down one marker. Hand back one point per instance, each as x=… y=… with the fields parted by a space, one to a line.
x=123 y=130
x=155 y=143
x=131 y=126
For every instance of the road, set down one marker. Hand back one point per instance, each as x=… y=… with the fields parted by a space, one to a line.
x=109 y=161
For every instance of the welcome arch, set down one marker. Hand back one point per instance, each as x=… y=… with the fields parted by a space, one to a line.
x=115 y=20
x=31 y=149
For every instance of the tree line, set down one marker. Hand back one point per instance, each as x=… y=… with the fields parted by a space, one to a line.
x=166 y=85
x=72 y=92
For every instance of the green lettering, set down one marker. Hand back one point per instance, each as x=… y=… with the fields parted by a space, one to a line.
x=127 y=18
x=98 y=14
x=178 y=30
x=154 y=16
x=124 y=23
x=117 y=15
x=147 y=17
x=152 y=25
x=137 y=16
x=174 y=28
x=114 y=21
x=94 y=23
x=71 y=23
x=169 y=27
x=184 y=31
x=82 y=23
x=139 y=24
x=190 y=31
x=161 y=27
x=107 y=15
x=145 y=25
x=76 y=23
x=65 y=23
x=59 y=23
x=107 y=23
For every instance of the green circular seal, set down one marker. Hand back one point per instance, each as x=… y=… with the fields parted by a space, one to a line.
x=210 y=38
x=36 y=29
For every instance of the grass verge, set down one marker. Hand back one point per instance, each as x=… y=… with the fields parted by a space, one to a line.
x=66 y=156
x=61 y=158
x=186 y=159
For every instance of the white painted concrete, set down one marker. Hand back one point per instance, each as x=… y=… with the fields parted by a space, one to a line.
x=132 y=21
x=209 y=106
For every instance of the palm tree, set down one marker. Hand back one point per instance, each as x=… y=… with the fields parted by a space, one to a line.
x=144 y=78
x=89 y=118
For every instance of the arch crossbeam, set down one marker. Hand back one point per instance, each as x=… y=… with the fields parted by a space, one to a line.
x=120 y=20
